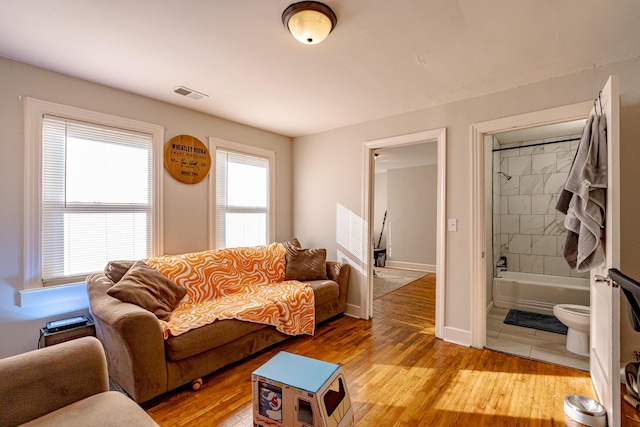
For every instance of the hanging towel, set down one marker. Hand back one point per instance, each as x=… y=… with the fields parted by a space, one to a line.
x=583 y=198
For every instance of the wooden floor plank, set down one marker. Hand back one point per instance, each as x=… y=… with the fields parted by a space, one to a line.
x=398 y=374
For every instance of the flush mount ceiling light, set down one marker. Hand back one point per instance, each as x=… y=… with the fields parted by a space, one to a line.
x=309 y=22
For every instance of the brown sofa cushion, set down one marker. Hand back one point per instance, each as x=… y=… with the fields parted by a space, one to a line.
x=306 y=264
x=204 y=338
x=103 y=409
x=149 y=289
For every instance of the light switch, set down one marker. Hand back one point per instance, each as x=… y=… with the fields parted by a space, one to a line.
x=453 y=224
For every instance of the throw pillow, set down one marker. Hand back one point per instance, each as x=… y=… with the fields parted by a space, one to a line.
x=291 y=245
x=306 y=264
x=149 y=289
x=116 y=269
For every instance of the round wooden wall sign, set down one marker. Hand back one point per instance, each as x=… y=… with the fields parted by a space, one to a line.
x=187 y=159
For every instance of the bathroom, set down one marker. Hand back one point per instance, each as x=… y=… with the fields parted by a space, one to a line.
x=525 y=171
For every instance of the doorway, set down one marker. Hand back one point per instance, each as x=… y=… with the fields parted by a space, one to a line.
x=605 y=304
x=525 y=172
x=404 y=219
x=438 y=137
x=479 y=132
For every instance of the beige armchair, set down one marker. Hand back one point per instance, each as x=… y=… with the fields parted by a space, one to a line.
x=64 y=385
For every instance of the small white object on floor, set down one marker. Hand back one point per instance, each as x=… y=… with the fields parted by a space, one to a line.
x=585 y=410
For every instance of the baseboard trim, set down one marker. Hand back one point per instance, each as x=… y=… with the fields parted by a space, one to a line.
x=353 y=311
x=427 y=268
x=456 y=336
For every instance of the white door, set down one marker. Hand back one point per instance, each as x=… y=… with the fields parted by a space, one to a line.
x=605 y=299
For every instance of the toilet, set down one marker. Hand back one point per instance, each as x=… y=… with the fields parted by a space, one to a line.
x=577 y=318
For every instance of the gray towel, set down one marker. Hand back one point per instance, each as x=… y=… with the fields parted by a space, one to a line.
x=583 y=199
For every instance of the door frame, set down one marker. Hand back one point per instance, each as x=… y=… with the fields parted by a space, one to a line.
x=479 y=130
x=604 y=354
x=440 y=137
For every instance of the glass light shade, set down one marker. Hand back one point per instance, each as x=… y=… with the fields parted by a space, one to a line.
x=310 y=26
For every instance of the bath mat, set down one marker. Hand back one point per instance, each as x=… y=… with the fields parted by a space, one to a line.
x=542 y=322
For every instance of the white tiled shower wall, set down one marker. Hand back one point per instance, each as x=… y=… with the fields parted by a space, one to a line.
x=527 y=229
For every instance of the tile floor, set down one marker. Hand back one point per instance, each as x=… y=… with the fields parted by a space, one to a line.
x=527 y=342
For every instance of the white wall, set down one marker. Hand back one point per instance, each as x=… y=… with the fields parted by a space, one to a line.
x=185 y=206
x=531 y=233
x=379 y=208
x=336 y=156
x=411 y=215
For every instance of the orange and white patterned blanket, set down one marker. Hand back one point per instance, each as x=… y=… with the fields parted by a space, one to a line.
x=237 y=283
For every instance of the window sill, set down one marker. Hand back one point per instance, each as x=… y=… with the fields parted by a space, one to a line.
x=70 y=295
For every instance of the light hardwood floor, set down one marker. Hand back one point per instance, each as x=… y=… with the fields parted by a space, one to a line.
x=398 y=374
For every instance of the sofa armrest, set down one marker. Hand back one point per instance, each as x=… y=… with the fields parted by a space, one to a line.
x=339 y=273
x=133 y=341
x=41 y=381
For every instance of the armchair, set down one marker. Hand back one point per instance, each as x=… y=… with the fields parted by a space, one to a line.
x=64 y=385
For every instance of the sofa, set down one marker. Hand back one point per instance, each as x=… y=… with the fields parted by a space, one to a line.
x=64 y=385
x=147 y=360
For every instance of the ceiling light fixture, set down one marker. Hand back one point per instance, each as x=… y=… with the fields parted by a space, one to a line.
x=309 y=22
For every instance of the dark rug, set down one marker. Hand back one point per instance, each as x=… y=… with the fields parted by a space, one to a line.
x=542 y=322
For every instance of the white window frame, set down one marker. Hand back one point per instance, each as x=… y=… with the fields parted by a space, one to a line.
x=34 y=111
x=214 y=144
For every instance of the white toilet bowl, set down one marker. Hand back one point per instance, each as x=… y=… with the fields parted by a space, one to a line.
x=577 y=318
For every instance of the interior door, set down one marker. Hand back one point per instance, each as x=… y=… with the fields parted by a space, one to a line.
x=605 y=298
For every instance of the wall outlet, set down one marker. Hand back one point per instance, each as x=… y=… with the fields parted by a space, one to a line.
x=452 y=224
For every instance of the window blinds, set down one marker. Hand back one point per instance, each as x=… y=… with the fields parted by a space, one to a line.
x=96 y=198
x=242 y=194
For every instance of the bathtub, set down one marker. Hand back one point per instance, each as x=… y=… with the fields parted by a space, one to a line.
x=538 y=293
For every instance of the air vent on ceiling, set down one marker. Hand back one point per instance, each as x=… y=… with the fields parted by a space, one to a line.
x=189 y=93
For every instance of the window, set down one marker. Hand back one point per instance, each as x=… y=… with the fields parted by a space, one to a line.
x=334 y=396
x=243 y=195
x=305 y=412
x=94 y=195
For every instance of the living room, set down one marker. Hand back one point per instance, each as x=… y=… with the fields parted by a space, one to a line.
x=318 y=174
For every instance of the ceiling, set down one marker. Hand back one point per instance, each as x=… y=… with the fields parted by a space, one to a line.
x=383 y=58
